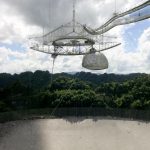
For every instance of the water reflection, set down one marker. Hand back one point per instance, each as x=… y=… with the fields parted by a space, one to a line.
x=74 y=133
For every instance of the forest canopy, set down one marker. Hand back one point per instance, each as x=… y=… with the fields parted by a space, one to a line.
x=35 y=90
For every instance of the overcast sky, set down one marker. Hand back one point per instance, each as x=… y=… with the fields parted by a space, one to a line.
x=21 y=18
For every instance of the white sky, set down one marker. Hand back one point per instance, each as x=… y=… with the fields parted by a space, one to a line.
x=20 y=18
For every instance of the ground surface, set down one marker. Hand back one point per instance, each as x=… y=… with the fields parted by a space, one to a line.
x=75 y=134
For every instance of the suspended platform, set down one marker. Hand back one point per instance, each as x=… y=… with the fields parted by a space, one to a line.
x=74 y=38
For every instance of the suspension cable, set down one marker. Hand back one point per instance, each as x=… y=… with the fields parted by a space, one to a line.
x=74 y=13
x=115 y=7
x=54 y=58
x=55 y=108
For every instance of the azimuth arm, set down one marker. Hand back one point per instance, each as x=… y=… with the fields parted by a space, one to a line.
x=147 y=3
x=115 y=21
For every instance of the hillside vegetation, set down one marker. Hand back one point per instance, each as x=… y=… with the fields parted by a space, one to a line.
x=34 y=90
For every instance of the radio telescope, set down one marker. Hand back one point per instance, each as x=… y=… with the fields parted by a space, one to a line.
x=73 y=38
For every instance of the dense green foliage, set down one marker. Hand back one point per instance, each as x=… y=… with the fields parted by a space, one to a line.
x=34 y=90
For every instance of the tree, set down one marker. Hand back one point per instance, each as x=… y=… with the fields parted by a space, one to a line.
x=136 y=104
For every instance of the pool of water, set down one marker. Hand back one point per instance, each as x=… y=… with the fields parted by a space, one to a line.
x=75 y=134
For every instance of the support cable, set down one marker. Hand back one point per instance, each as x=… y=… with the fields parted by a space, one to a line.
x=49 y=14
x=55 y=108
x=54 y=58
x=74 y=17
x=115 y=7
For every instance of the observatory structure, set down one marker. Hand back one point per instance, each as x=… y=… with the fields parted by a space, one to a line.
x=73 y=38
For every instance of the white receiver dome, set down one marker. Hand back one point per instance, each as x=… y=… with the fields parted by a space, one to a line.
x=95 y=61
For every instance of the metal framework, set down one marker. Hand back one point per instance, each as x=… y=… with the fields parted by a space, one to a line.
x=74 y=38
x=131 y=16
x=71 y=39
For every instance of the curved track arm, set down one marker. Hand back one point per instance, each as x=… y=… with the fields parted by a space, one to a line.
x=112 y=22
x=145 y=4
x=121 y=21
